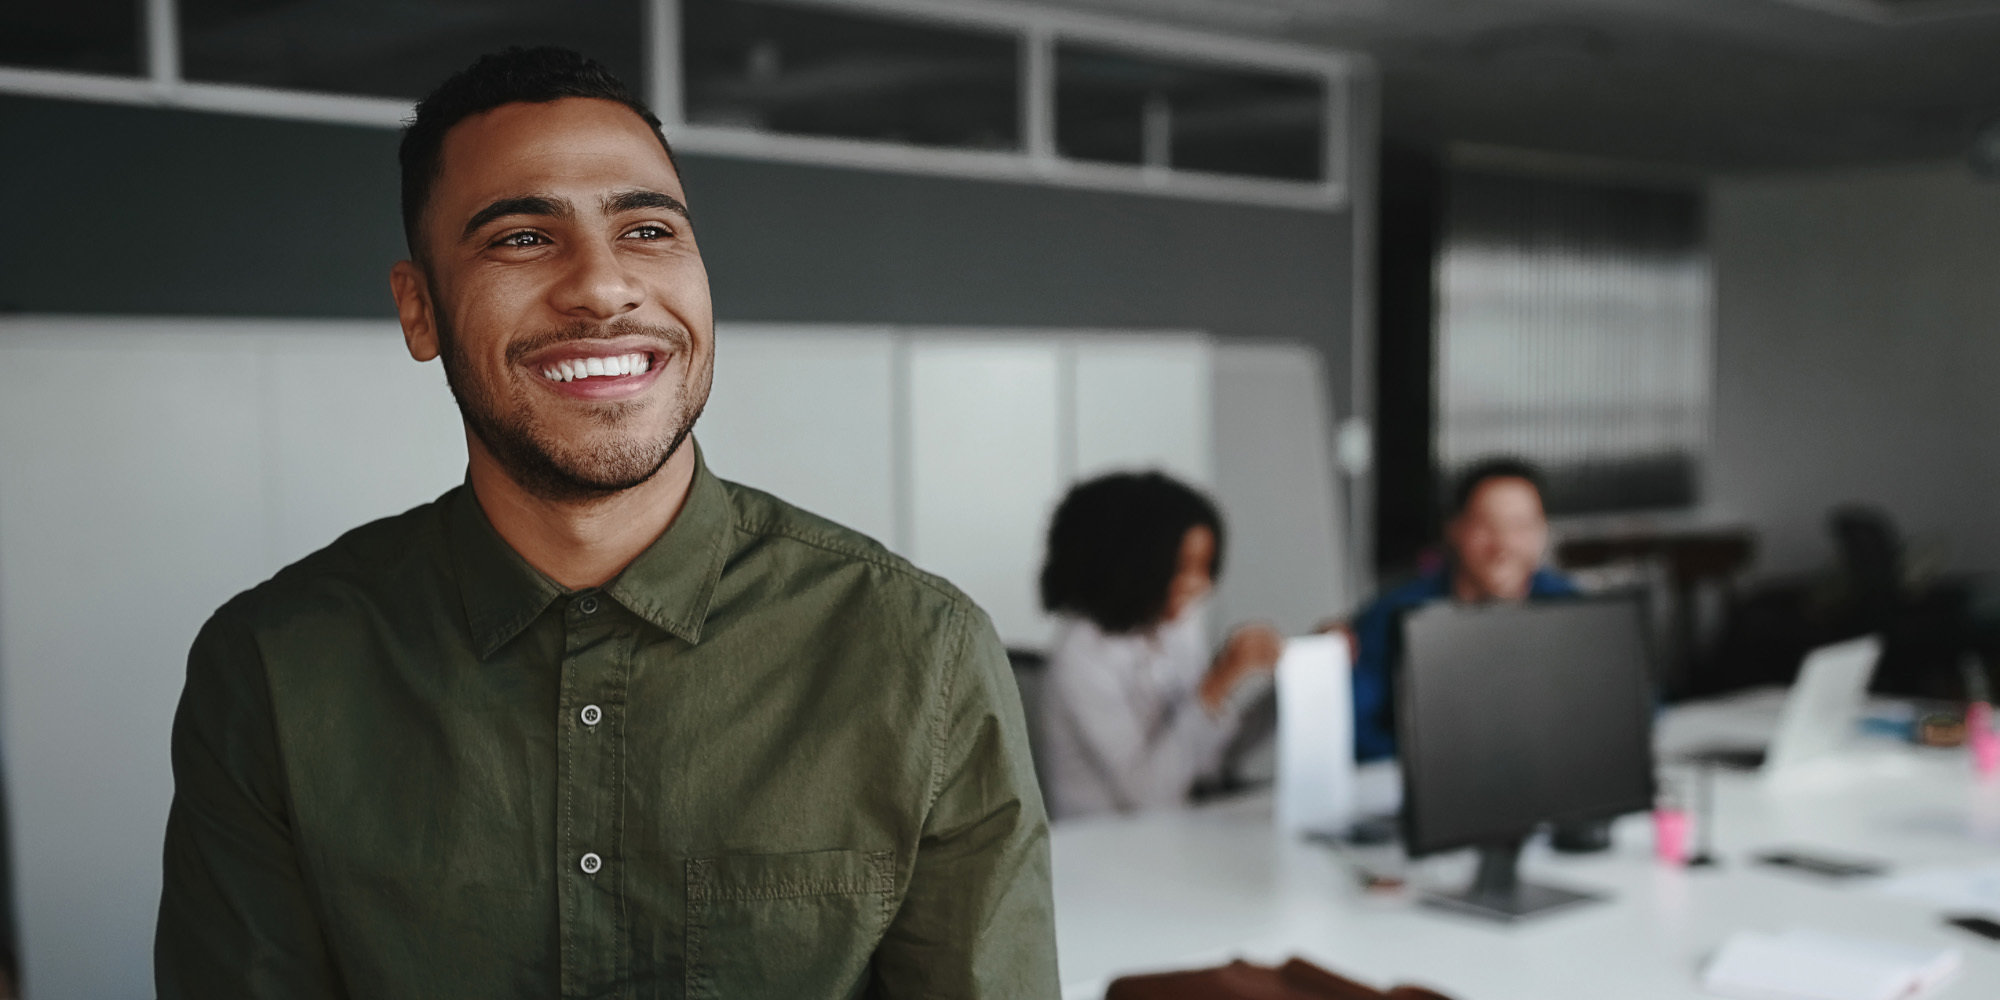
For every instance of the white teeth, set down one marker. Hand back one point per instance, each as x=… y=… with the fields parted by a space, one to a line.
x=571 y=370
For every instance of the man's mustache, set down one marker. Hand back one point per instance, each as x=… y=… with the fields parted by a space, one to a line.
x=673 y=339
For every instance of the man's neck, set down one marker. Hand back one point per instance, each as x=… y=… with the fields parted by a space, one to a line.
x=580 y=544
x=1468 y=590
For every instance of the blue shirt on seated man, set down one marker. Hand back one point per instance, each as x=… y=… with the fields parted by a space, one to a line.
x=1498 y=536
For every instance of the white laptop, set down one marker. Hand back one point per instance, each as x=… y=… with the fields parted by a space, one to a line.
x=1819 y=714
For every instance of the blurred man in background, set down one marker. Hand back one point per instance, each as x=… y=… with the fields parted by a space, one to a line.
x=1498 y=537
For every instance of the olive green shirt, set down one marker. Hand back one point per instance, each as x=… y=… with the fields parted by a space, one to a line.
x=769 y=759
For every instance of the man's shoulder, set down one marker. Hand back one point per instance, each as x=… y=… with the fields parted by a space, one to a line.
x=762 y=519
x=368 y=563
x=1548 y=582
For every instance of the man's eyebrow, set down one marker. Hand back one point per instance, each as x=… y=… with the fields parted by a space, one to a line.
x=525 y=205
x=630 y=201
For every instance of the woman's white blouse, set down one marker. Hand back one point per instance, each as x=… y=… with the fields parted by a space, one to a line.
x=1122 y=724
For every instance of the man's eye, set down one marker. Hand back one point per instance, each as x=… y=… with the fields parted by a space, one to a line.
x=523 y=239
x=650 y=233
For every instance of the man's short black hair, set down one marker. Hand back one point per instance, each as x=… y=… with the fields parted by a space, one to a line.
x=1479 y=472
x=516 y=75
x=1115 y=544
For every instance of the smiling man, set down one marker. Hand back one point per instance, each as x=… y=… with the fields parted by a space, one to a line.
x=1498 y=537
x=596 y=723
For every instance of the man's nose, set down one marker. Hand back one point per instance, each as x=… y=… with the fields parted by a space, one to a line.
x=597 y=285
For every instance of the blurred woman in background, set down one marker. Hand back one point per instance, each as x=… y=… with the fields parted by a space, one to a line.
x=1135 y=708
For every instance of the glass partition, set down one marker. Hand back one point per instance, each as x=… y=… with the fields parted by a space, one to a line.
x=85 y=36
x=1117 y=107
x=380 y=48
x=815 y=72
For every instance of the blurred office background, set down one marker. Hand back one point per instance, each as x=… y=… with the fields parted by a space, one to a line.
x=1723 y=267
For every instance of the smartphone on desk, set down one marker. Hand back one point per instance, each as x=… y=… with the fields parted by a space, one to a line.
x=1985 y=927
x=1819 y=864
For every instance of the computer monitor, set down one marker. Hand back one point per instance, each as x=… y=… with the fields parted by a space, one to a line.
x=1512 y=716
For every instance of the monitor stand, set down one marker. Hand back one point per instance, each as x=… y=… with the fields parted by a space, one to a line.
x=1497 y=892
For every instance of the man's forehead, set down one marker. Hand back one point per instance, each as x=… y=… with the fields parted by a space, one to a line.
x=1505 y=491
x=584 y=147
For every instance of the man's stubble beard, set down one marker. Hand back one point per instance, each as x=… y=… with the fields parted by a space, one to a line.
x=549 y=468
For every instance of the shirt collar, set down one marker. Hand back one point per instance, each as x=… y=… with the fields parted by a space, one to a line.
x=669 y=584
x=1545 y=583
x=672 y=582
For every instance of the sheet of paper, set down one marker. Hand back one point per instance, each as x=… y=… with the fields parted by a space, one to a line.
x=1812 y=965
x=1959 y=889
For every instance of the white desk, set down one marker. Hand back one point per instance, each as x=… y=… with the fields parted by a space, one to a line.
x=1185 y=889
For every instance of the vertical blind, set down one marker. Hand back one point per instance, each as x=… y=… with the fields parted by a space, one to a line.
x=1574 y=330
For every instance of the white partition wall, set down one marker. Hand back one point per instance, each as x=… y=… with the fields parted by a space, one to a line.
x=119 y=537
x=986 y=433
x=808 y=414
x=149 y=470
x=356 y=431
x=952 y=447
x=1144 y=402
x=1274 y=478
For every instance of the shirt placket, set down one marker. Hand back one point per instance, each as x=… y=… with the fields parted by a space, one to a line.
x=590 y=861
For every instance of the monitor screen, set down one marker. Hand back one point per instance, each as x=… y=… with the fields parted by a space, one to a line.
x=1514 y=715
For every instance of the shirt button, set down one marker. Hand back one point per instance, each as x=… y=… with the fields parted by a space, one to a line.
x=592 y=715
x=587 y=605
x=590 y=864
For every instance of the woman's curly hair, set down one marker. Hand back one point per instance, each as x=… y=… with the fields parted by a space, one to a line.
x=1115 y=543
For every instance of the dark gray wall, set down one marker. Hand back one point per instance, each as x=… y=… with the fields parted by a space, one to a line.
x=1857 y=358
x=128 y=210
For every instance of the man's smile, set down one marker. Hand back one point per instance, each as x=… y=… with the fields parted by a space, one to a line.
x=594 y=367
x=598 y=370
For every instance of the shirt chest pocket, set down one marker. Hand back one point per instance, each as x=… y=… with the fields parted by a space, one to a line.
x=792 y=925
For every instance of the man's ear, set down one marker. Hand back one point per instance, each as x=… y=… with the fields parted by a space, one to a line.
x=415 y=309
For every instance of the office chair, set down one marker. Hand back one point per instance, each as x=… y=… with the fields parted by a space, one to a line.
x=1923 y=623
x=1031 y=670
x=1926 y=624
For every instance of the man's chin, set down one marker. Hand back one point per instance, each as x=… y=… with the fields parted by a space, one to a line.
x=1509 y=587
x=570 y=471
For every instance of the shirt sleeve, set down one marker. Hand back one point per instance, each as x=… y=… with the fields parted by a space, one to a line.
x=1144 y=756
x=1373 y=683
x=235 y=919
x=978 y=918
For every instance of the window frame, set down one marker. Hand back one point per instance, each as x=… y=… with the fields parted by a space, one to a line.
x=1038 y=29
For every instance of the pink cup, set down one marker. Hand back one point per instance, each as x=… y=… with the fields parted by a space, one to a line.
x=1670 y=835
x=1979 y=736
